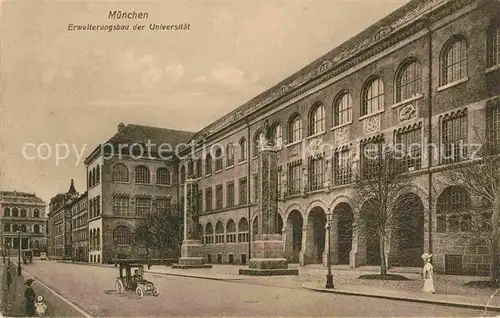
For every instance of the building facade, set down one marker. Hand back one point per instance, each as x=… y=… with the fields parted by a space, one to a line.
x=79 y=228
x=428 y=74
x=23 y=218
x=127 y=181
x=59 y=224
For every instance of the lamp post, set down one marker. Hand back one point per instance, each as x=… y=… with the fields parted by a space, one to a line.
x=115 y=242
x=19 y=255
x=329 y=276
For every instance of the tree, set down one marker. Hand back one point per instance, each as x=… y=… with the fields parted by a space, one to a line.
x=380 y=199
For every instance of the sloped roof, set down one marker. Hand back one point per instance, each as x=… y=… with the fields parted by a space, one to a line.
x=394 y=21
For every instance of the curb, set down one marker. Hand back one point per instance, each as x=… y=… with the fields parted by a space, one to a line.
x=311 y=287
x=228 y=279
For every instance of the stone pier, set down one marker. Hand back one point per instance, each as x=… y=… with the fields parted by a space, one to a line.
x=267 y=248
x=191 y=249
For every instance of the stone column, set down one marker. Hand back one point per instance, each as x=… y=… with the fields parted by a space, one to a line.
x=191 y=248
x=267 y=248
x=302 y=256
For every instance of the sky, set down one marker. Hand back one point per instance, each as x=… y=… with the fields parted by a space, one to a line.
x=67 y=91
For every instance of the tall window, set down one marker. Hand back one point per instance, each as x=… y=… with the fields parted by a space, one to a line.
x=257 y=143
x=163 y=205
x=36 y=228
x=255 y=187
x=142 y=175
x=230 y=194
x=199 y=168
x=373 y=96
x=409 y=150
x=455 y=139
x=278 y=135
x=218 y=159
x=97 y=174
x=294 y=178
x=230 y=155
x=230 y=232
x=120 y=205
x=6 y=212
x=342 y=109
x=454 y=61
x=494 y=43
x=409 y=80
x=208 y=165
x=316 y=172
x=208 y=199
x=209 y=234
x=219 y=233
x=243 y=232
x=23 y=213
x=243 y=191
x=121 y=235
x=120 y=173
x=343 y=166
x=317 y=120
x=218 y=197
x=370 y=158
x=493 y=118
x=142 y=206
x=15 y=212
x=243 y=150
x=163 y=176
x=182 y=175
x=295 y=129
x=452 y=210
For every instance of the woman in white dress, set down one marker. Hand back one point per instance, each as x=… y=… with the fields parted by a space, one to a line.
x=427 y=274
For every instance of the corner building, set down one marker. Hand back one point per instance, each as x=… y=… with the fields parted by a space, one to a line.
x=428 y=73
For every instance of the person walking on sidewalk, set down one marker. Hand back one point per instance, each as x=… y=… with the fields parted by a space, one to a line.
x=427 y=274
x=29 y=294
x=9 y=278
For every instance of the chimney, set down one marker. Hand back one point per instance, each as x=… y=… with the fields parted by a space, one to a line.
x=121 y=126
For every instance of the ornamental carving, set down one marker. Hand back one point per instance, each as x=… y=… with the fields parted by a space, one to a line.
x=341 y=135
x=408 y=112
x=294 y=151
x=315 y=146
x=371 y=125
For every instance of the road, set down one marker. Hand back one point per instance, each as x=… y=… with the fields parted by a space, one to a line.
x=92 y=288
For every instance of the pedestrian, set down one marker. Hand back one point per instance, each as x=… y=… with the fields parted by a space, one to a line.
x=29 y=294
x=40 y=306
x=427 y=274
x=9 y=278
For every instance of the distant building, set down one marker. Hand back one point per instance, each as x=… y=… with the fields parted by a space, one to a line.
x=79 y=228
x=59 y=224
x=124 y=187
x=23 y=212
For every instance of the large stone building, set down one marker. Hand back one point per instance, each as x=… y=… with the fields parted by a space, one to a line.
x=126 y=181
x=22 y=216
x=79 y=228
x=428 y=72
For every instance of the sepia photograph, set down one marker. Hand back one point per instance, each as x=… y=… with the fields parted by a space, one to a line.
x=285 y=158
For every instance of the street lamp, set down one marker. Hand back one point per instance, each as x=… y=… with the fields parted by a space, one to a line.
x=115 y=242
x=19 y=255
x=329 y=276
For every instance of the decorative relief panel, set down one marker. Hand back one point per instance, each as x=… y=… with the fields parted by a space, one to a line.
x=294 y=151
x=315 y=146
x=371 y=125
x=407 y=112
x=342 y=135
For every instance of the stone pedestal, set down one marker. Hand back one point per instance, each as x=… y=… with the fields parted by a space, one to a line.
x=191 y=249
x=267 y=248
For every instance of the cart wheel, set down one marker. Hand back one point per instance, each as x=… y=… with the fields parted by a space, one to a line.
x=119 y=286
x=139 y=292
x=156 y=291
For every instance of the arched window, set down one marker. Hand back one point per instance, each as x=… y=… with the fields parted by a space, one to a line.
x=209 y=234
x=90 y=179
x=295 y=129
x=219 y=233
x=373 y=96
x=199 y=168
x=243 y=230
x=163 y=176
x=342 y=109
x=23 y=213
x=494 y=43
x=97 y=174
x=23 y=228
x=15 y=212
x=317 y=119
x=278 y=135
x=408 y=80
x=120 y=173
x=15 y=228
x=454 y=60
x=36 y=213
x=121 y=235
x=208 y=164
x=142 y=175
x=98 y=238
x=257 y=143
x=230 y=155
x=230 y=232
x=243 y=150
x=255 y=226
x=452 y=210
x=183 y=174
x=6 y=212
x=6 y=227
x=36 y=228
x=218 y=159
